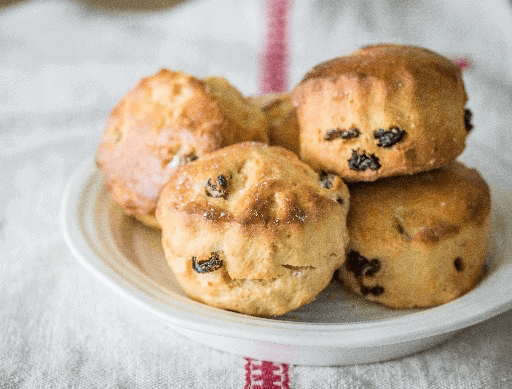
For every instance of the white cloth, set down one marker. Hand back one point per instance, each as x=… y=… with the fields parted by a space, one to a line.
x=63 y=67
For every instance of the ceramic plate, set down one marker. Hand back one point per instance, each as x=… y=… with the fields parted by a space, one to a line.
x=335 y=329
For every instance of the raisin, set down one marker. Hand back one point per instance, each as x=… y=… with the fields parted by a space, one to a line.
x=222 y=181
x=355 y=263
x=361 y=266
x=326 y=179
x=459 y=266
x=376 y=290
x=217 y=188
x=331 y=134
x=207 y=266
x=388 y=138
x=371 y=268
x=468 y=115
x=362 y=161
x=336 y=133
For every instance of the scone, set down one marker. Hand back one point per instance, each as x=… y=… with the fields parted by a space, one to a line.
x=252 y=229
x=166 y=120
x=282 y=117
x=419 y=240
x=382 y=111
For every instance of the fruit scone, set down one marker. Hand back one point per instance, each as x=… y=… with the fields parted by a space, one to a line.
x=384 y=110
x=419 y=240
x=252 y=229
x=167 y=120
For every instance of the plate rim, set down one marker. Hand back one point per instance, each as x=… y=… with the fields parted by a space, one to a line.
x=192 y=315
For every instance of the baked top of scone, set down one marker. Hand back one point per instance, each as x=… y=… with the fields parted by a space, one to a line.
x=381 y=111
x=166 y=120
x=385 y=61
x=423 y=207
x=251 y=228
x=258 y=189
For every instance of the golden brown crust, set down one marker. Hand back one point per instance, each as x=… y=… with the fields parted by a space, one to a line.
x=278 y=227
x=415 y=93
x=167 y=120
x=428 y=231
x=282 y=117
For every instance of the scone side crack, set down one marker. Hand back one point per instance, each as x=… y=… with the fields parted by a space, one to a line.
x=434 y=233
x=298 y=271
x=398 y=224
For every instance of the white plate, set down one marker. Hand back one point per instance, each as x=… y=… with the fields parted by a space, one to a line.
x=335 y=329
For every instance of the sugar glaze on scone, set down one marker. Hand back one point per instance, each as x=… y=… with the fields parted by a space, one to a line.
x=166 y=120
x=252 y=229
x=382 y=111
x=419 y=240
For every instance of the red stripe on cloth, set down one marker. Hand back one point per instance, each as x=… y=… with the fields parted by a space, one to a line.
x=266 y=375
x=463 y=62
x=274 y=66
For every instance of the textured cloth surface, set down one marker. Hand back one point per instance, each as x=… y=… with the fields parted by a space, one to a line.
x=63 y=67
